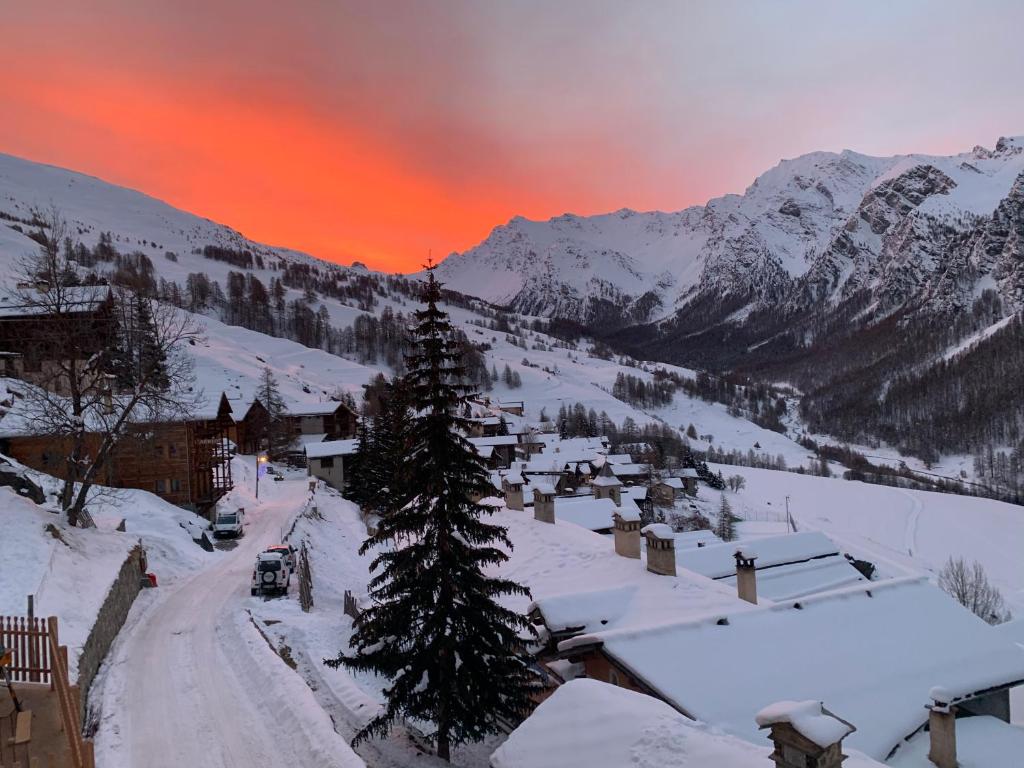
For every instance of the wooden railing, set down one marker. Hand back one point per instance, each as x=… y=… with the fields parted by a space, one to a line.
x=68 y=699
x=28 y=638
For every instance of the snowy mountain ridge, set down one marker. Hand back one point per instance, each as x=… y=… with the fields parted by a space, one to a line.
x=812 y=228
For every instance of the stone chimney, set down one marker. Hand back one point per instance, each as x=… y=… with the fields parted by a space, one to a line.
x=661 y=549
x=626 y=530
x=746 y=575
x=512 y=485
x=805 y=734
x=942 y=729
x=544 y=503
x=607 y=486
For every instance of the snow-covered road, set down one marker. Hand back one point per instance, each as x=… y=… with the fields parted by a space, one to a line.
x=190 y=680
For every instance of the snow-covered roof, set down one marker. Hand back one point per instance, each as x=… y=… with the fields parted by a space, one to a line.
x=604 y=480
x=981 y=742
x=514 y=478
x=788 y=566
x=495 y=440
x=871 y=652
x=629 y=470
x=542 y=487
x=635 y=492
x=619 y=458
x=688 y=472
x=28 y=302
x=484 y=451
x=590 y=724
x=587 y=512
x=313 y=409
x=580 y=584
x=331 y=448
x=690 y=540
x=672 y=482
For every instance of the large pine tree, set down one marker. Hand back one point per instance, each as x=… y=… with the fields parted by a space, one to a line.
x=453 y=654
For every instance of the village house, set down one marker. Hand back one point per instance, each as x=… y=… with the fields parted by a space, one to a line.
x=250 y=431
x=503 y=447
x=326 y=460
x=34 y=345
x=904 y=635
x=332 y=419
x=186 y=462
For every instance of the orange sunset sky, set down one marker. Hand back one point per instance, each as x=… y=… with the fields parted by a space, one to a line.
x=379 y=131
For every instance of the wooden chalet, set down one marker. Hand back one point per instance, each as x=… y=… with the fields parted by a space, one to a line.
x=34 y=344
x=250 y=431
x=333 y=419
x=185 y=462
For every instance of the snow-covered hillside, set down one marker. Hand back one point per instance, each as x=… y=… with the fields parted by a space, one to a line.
x=816 y=215
x=231 y=358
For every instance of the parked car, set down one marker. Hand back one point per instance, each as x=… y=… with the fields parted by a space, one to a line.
x=229 y=524
x=288 y=551
x=271 y=575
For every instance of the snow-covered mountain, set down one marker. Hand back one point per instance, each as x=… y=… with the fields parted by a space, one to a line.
x=815 y=228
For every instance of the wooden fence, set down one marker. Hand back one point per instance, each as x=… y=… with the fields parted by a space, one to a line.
x=38 y=657
x=28 y=638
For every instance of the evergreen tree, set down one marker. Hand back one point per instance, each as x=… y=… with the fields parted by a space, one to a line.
x=360 y=465
x=502 y=426
x=269 y=394
x=725 y=528
x=152 y=359
x=453 y=654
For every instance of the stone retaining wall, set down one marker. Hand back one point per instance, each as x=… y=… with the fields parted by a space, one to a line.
x=109 y=620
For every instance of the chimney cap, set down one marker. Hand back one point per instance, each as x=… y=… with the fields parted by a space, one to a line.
x=808 y=718
x=658 y=531
x=627 y=515
x=745 y=557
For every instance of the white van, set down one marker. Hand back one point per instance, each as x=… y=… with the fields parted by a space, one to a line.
x=229 y=524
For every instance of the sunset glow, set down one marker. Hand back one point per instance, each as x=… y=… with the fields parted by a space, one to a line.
x=359 y=134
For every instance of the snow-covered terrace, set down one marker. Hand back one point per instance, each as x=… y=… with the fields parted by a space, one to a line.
x=871 y=653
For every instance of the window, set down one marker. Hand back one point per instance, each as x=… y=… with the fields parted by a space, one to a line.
x=613 y=677
x=172 y=450
x=158 y=450
x=327 y=462
x=175 y=485
x=161 y=486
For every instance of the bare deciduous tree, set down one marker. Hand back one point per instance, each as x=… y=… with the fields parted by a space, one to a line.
x=75 y=399
x=969 y=585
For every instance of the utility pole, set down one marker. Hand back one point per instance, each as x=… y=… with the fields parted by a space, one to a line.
x=789 y=518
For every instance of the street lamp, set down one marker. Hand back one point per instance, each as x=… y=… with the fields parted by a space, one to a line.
x=261 y=468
